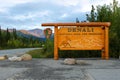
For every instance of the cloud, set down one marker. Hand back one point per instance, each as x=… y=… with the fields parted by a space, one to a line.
x=66 y=3
x=11 y=3
x=64 y=15
x=6 y=4
x=33 y=15
x=26 y=14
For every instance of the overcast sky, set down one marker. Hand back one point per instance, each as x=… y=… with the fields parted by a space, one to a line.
x=29 y=14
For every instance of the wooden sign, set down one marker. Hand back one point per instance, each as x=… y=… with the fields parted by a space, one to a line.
x=47 y=33
x=81 y=36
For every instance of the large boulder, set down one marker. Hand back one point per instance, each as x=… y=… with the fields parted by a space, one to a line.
x=3 y=57
x=70 y=61
x=26 y=57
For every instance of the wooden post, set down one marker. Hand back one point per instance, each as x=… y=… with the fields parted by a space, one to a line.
x=106 y=43
x=55 y=43
x=103 y=49
x=103 y=53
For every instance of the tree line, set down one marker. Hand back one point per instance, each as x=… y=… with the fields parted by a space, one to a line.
x=13 y=40
x=109 y=13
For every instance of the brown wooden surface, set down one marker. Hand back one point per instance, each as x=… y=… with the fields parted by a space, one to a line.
x=55 y=43
x=107 y=24
x=106 y=43
x=87 y=40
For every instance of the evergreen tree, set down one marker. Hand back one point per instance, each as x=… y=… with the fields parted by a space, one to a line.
x=0 y=37
x=14 y=33
x=109 y=13
x=77 y=20
x=92 y=16
x=7 y=35
x=0 y=31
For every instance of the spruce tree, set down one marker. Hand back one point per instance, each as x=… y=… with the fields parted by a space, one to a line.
x=14 y=33
x=77 y=20
x=7 y=35
x=0 y=37
x=92 y=16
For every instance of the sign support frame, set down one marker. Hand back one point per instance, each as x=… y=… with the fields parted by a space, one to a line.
x=105 y=49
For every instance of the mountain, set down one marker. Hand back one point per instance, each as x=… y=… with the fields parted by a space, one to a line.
x=34 y=32
x=10 y=30
x=37 y=33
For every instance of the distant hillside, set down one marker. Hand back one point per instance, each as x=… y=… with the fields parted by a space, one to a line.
x=34 y=33
x=37 y=32
x=29 y=34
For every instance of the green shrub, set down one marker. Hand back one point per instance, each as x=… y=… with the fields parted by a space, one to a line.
x=35 y=53
x=48 y=48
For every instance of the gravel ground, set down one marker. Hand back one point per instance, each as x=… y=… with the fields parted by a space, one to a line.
x=49 y=69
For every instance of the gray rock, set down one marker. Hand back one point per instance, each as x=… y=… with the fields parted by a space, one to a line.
x=70 y=61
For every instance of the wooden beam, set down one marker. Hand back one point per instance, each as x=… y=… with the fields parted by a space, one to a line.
x=93 y=24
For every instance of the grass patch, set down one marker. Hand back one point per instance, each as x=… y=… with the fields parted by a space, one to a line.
x=35 y=53
x=38 y=53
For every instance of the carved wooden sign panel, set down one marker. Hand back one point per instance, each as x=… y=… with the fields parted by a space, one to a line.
x=80 y=38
